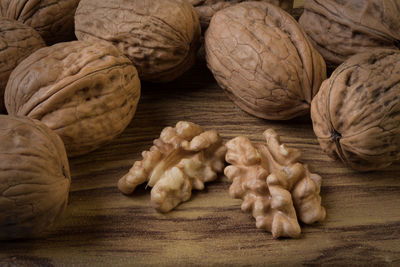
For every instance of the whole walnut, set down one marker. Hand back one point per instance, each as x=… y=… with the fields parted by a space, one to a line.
x=263 y=60
x=340 y=29
x=17 y=41
x=34 y=177
x=53 y=19
x=87 y=93
x=207 y=8
x=160 y=37
x=356 y=114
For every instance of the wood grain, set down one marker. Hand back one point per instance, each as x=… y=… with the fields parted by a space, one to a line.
x=103 y=227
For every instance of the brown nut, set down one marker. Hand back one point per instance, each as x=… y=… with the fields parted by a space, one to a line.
x=340 y=29
x=183 y=158
x=160 y=37
x=17 y=41
x=87 y=93
x=356 y=114
x=273 y=185
x=34 y=177
x=207 y=8
x=263 y=60
x=53 y=19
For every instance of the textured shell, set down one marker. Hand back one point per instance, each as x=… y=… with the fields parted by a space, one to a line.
x=17 y=41
x=263 y=60
x=356 y=114
x=207 y=8
x=340 y=29
x=161 y=37
x=53 y=19
x=87 y=93
x=34 y=177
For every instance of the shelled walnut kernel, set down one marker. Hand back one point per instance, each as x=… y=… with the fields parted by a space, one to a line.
x=183 y=158
x=273 y=185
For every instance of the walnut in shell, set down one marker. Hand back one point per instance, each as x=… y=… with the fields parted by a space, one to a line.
x=87 y=93
x=207 y=8
x=161 y=37
x=273 y=185
x=356 y=114
x=182 y=159
x=34 y=177
x=17 y=41
x=263 y=60
x=53 y=19
x=340 y=29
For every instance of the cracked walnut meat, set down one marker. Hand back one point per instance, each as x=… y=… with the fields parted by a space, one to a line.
x=356 y=114
x=160 y=37
x=17 y=41
x=182 y=159
x=274 y=186
x=34 y=177
x=263 y=60
x=87 y=93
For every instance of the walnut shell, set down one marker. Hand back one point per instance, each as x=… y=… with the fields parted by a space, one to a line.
x=34 y=177
x=87 y=93
x=17 y=41
x=207 y=8
x=340 y=29
x=161 y=37
x=356 y=114
x=53 y=19
x=263 y=60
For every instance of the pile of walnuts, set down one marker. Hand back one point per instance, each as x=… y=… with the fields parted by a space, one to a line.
x=74 y=96
x=83 y=91
x=273 y=67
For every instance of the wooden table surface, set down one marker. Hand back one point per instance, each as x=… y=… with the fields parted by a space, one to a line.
x=103 y=227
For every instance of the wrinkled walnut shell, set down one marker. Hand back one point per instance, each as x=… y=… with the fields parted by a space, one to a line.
x=263 y=60
x=273 y=185
x=340 y=29
x=183 y=158
x=160 y=37
x=34 y=177
x=17 y=41
x=207 y=8
x=87 y=93
x=356 y=114
x=52 y=19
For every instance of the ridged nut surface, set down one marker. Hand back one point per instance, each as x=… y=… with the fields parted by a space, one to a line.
x=263 y=60
x=340 y=29
x=207 y=8
x=87 y=93
x=356 y=114
x=53 y=19
x=34 y=177
x=17 y=41
x=160 y=37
